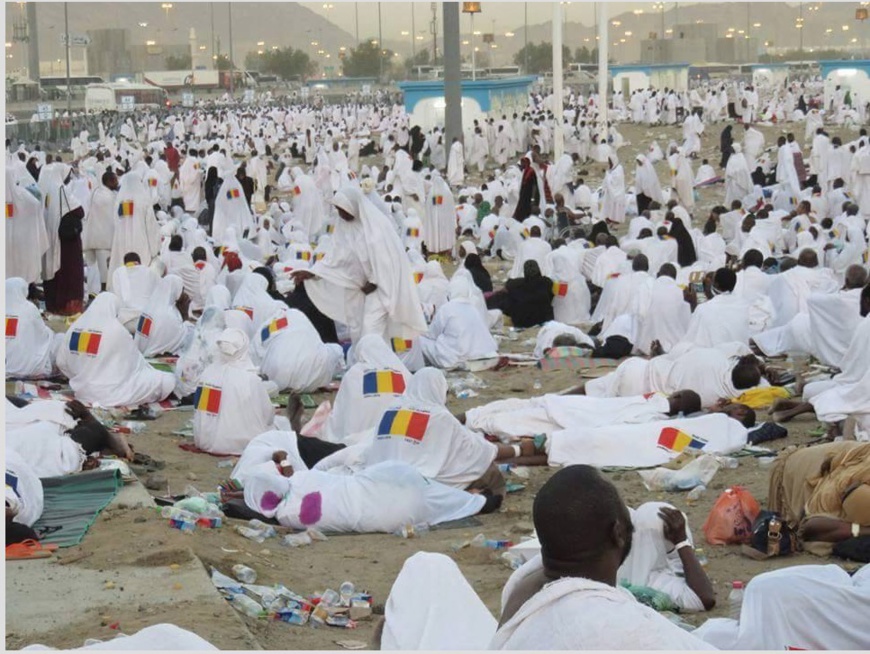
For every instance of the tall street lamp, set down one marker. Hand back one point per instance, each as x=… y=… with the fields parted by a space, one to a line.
x=472 y=8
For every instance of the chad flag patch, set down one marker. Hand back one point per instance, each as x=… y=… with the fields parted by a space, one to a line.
x=401 y=344
x=303 y=255
x=82 y=342
x=11 y=326
x=560 y=289
x=412 y=232
x=233 y=193
x=125 y=209
x=144 y=325
x=381 y=382
x=247 y=310
x=437 y=200
x=418 y=277
x=273 y=327
x=675 y=440
x=208 y=399
x=10 y=210
x=404 y=423
x=152 y=182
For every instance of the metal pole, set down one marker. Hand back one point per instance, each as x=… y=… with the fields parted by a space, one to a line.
x=380 y=47
x=452 y=83
x=801 y=30
x=33 y=43
x=413 y=35
x=526 y=38
x=434 y=7
x=603 y=44
x=213 y=53
x=66 y=32
x=230 y=15
x=558 y=138
x=473 y=55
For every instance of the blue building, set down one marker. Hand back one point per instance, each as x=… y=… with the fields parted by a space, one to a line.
x=424 y=101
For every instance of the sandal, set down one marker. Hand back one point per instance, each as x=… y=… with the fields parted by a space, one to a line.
x=29 y=549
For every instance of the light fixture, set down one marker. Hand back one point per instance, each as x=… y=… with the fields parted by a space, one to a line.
x=509 y=34
x=150 y=42
x=261 y=43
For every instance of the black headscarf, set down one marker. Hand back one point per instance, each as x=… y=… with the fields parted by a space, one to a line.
x=686 y=255
x=482 y=279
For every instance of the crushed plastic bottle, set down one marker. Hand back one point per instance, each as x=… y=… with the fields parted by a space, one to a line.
x=330 y=598
x=252 y=534
x=226 y=463
x=537 y=385
x=512 y=560
x=728 y=462
x=412 y=531
x=345 y=592
x=244 y=574
x=268 y=530
x=247 y=606
x=296 y=540
x=701 y=556
x=696 y=493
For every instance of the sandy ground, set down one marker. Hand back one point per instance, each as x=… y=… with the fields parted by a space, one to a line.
x=127 y=539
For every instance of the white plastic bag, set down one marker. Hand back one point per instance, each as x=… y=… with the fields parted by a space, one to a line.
x=697 y=473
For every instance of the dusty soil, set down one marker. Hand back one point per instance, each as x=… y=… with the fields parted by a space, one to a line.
x=126 y=538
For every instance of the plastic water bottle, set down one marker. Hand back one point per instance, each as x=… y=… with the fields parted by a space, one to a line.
x=346 y=591
x=296 y=540
x=244 y=574
x=329 y=598
x=701 y=556
x=735 y=600
x=247 y=606
x=728 y=462
x=537 y=385
x=253 y=534
x=412 y=531
x=696 y=493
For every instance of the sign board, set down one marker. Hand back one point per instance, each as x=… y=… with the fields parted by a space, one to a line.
x=303 y=92
x=128 y=102
x=367 y=89
x=44 y=111
x=81 y=40
x=249 y=96
x=187 y=99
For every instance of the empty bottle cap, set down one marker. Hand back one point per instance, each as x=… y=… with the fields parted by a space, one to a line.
x=737 y=584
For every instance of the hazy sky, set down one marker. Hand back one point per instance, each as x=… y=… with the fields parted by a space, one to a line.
x=495 y=16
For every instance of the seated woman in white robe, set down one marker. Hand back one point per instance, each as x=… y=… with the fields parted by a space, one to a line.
x=161 y=329
x=31 y=346
x=292 y=354
x=382 y=498
x=458 y=333
x=133 y=285
x=412 y=231
x=253 y=298
x=231 y=403
x=432 y=288
x=374 y=381
x=807 y=607
x=571 y=299
x=103 y=364
x=667 y=320
x=201 y=351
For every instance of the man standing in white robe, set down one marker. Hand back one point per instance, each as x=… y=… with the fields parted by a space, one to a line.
x=613 y=206
x=98 y=232
x=439 y=219
x=136 y=228
x=456 y=164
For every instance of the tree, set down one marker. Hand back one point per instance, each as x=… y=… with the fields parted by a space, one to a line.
x=540 y=57
x=286 y=63
x=181 y=62
x=367 y=60
x=223 y=62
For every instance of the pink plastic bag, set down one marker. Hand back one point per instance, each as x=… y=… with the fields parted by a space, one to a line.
x=730 y=520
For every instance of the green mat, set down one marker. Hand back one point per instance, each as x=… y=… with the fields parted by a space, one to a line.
x=72 y=504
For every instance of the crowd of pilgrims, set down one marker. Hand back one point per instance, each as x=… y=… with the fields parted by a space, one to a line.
x=273 y=247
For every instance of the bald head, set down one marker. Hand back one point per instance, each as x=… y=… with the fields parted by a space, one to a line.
x=583 y=525
x=808 y=258
x=856 y=276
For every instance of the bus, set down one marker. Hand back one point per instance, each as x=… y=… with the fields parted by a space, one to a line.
x=113 y=97
x=59 y=82
x=503 y=71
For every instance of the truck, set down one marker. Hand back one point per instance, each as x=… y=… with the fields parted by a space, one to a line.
x=197 y=79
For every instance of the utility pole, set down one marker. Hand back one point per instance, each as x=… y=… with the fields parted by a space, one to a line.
x=603 y=44
x=230 y=15
x=32 y=43
x=558 y=137
x=801 y=24
x=452 y=84
x=356 y=12
x=526 y=38
x=380 y=47
x=433 y=28
x=67 y=39
x=413 y=35
x=213 y=53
